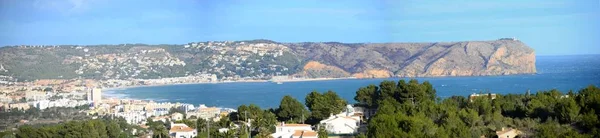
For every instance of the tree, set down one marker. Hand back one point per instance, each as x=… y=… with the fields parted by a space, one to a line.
x=567 y=110
x=263 y=133
x=266 y=121
x=28 y=132
x=201 y=125
x=160 y=132
x=100 y=127
x=113 y=129
x=367 y=96
x=243 y=132
x=387 y=89
x=412 y=92
x=89 y=130
x=292 y=110
x=322 y=132
x=429 y=90
x=323 y=105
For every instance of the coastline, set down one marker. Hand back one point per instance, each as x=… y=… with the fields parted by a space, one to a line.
x=302 y=80
x=239 y=81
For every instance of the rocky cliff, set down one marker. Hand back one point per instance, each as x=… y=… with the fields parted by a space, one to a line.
x=469 y=58
x=261 y=59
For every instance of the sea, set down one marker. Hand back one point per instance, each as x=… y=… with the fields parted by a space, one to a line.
x=564 y=73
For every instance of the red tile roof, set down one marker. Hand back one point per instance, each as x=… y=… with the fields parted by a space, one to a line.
x=181 y=129
x=305 y=133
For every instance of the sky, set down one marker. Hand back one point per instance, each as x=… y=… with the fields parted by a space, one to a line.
x=551 y=27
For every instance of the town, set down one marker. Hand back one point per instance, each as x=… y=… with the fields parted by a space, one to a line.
x=87 y=96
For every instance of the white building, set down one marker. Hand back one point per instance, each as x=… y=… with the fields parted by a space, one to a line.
x=223 y=130
x=176 y=116
x=35 y=96
x=44 y=104
x=181 y=131
x=186 y=107
x=159 y=111
x=5 y=99
x=160 y=118
x=508 y=133
x=283 y=130
x=133 y=117
x=204 y=112
x=346 y=122
x=96 y=96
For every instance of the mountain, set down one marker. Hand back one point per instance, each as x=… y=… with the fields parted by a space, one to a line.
x=261 y=59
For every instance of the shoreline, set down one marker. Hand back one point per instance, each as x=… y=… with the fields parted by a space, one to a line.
x=304 y=80
x=240 y=81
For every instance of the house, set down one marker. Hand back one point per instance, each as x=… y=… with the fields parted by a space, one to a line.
x=160 y=118
x=492 y=96
x=204 y=112
x=283 y=130
x=305 y=134
x=346 y=122
x=507 y=133
x=363 y=111
x=176 y=116
x=19 y=106
x=182 y=131
x=223 y=130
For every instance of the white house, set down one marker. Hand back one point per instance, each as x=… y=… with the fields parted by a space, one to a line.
x=508 y=133
x=346 y=122
x=182 y=131
x=283 y=130
x=176 y=116
x=223 y=130
x=133 y=117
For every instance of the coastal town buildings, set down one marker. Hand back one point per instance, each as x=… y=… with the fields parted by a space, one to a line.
x=176 y=116
x=492 y=96
x=36 y=95
x=5 y=99
x=182 y=131
x=96 y=96
x=135 y=117
x=17 y=106
x=160 y=118
x=346 y=122
x=508 y=133
x=283 y=130
x=204 y=112
x=44 y=104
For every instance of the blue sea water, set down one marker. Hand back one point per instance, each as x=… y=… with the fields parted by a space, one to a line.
x=554 y=72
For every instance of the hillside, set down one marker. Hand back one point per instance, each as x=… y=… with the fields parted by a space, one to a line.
x=261 y=59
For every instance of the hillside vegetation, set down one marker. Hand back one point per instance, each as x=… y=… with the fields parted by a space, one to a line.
x=261 y=59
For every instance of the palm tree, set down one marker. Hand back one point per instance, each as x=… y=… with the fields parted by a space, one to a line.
x=160 y=132
x=263 y=133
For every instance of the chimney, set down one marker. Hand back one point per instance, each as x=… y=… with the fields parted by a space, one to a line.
x=282 y=123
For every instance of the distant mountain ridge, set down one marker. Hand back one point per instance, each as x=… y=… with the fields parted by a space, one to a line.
x=261 y=59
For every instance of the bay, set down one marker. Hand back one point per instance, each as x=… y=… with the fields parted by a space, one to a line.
x=554 y=72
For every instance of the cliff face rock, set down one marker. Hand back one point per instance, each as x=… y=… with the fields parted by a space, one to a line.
x=470 y=58
x=374 y=73
x=314 y=69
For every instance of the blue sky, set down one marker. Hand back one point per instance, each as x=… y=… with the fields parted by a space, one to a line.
x=551 y=27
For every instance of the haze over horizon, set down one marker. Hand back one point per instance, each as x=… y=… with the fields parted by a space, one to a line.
x=551 y=27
